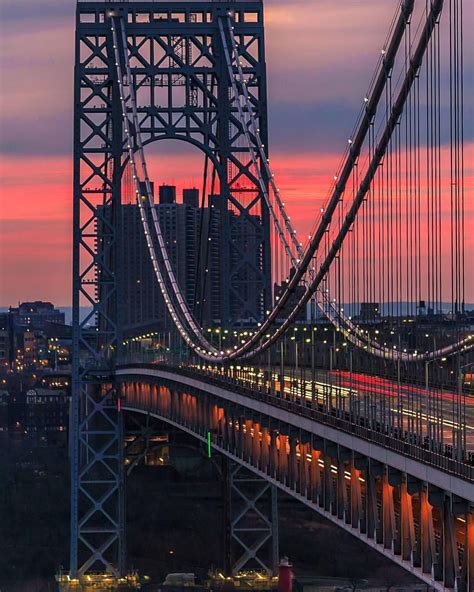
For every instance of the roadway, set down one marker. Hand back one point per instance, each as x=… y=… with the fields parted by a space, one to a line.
x=438 y=416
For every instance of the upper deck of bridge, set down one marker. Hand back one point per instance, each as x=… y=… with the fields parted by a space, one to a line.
x=393 y=449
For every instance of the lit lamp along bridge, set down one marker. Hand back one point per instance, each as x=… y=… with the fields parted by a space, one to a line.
x=385 y=458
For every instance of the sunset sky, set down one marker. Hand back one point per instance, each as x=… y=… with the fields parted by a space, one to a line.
x=321 y=56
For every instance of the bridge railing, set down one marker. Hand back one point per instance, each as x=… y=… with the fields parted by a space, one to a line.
x=398 y=441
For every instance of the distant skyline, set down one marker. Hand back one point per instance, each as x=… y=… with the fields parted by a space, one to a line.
x=321 y=56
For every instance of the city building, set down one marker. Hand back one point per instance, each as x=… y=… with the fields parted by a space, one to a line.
x=292 y=301
x=4 y=417
x=369 y=311
x=47 y=410
x=143 y=305
x=6 y=339
x=191 y=197
x=167 y=194
x=34 y=315
x=30 y=348
x=26 y=334
x=194 y=241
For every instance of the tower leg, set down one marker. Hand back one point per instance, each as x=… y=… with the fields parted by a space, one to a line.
x=97 y=492
x=97 y=520
x=251 y=512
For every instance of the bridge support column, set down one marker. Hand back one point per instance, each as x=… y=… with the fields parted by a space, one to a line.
x=199 y=416
x=341 y=490
x=292 y=464
x=248 y=442
x=371 y=504
x=241 y=438
x=189 y=412
x=227 y=431
x=406 y=522
x=437 y=499
x=252 y=510
x=426 y=532
x=469 y=550
x=328 y=497
x=233 y=435
x=450 y=559
x=356 y=498
x=388 y=513
x=97 y=481
x=273 y=454
x=304 y=469
x=265 y=451
x=315 y=476
x=451 y=571
x=283 y=459
x=256 y=445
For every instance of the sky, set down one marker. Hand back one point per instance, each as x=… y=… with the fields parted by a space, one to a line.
x=321 y=55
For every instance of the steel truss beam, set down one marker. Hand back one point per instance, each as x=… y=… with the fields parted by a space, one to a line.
x=143 y=437
x=180 y=79
x=252 y=510
x=97 y=508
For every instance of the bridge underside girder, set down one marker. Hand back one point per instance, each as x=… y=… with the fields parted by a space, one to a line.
x=425 y=529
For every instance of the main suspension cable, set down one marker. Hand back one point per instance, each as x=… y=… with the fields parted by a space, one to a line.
x=175 y=302
x=295 y=251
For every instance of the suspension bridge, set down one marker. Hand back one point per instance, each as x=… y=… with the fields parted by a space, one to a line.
x=337 y=368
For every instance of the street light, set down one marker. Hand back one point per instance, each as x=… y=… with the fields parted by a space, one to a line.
x=461 y=424
x=429 y=409
x=218 y=331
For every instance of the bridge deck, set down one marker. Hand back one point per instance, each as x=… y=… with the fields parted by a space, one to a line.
x=410 y=504
x=442 y=471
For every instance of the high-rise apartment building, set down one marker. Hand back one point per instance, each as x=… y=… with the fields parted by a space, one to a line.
x=167 y=194
x=6 y=338
x=194 y=241
x=143 y=304
x=191 y=197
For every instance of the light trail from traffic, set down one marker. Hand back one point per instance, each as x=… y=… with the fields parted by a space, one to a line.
x=385 y=404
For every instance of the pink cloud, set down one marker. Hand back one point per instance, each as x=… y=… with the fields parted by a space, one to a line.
x=317 y=51
x=35 y=256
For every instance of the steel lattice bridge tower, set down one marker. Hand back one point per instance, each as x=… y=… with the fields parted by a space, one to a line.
x=390 y=462
x=180 y=76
